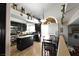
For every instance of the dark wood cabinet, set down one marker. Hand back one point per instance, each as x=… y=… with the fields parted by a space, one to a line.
x=20 y=26
x=23 y=43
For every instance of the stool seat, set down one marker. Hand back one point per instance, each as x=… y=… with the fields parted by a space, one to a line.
x=49 y=46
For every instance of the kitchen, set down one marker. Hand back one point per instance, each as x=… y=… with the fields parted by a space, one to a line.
x=23 y=28
x=27 y=30
x=39 y=29
x=32 y=33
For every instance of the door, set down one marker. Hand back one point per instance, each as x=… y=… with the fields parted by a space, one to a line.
x=2 y=27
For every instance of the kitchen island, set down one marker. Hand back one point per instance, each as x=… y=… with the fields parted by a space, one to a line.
x=24 y=42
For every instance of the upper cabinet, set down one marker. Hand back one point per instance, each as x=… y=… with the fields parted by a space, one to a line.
x=22 y=17
x=18 y=14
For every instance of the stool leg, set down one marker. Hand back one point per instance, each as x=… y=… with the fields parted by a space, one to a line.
x=42 y=48
x=45 y=53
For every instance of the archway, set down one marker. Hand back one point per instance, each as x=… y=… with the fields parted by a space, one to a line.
x=50 y=19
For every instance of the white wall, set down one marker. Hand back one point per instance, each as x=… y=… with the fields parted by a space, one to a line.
x=65 y=32
x=47 y=30
x=53 y=29
x=44 y=32
x=7 y=43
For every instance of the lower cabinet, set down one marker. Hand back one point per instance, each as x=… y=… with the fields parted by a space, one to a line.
x=36 y=38
x=23 y=43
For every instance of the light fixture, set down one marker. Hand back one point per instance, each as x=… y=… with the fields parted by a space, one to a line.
x=42 y=20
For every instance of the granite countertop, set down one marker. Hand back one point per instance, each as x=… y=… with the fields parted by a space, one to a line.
x=25 y=36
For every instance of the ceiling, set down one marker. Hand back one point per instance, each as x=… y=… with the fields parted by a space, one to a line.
x=76 y=21
x=71 y=9
x=42 y=10
x=71 y=6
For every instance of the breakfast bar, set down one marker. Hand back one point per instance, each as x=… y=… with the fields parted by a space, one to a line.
x=24 y=42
